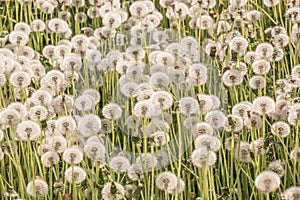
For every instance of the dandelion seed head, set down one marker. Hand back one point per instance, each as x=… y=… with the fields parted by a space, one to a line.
x=37 y=188
x=75 y=174
x=119 y=164
x=50 y=158
x=166 y=181
x=267 y=181
x=291 y=193
x=202 y=158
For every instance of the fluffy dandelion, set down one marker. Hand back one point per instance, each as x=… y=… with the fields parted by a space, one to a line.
x=267 y=181
x=89 y=124
x=233 y=123
x=58 y=142
x=209 y=142
x=143 y=109
x=257 y=82
x=163 y=99
x=202 y=158
x=18 y=38
x=73 y=155
x=50 y=158
x=281 y=129
x=238 y=44
x=112 y=111
x=291 y=193
x=188 y=105
x=95 y=150
x=119 y=164
x=215 y=118
x=75 y=174
x=264 y=105
x=37 y=188
x=232 y=78
x=242 y=152
x=200 y=128
x=277 y=166
x=166 y=181
x=28 y=130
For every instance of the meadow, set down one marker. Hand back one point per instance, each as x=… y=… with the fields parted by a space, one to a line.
x=150 y=99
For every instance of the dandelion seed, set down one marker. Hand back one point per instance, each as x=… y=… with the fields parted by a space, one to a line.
x=135 y=173
x=128 y=89
x=267 y=181
x=18 y=38
x=44 y=148
x=208 y=142
x=179 y=188
x=291 y=193
x=112 y=20
x=254 y=122
x=202 y=158
x=38 y=113
x=63 y=103
x=78 y=3
x=215 y=118
x=253 y=15
x=264 y=105
x=166 y=181
x=257 y=82
x=264 y=50
x=163 y=99
x=138 y=9
x=238 y=44
x=232 y=142
x=50 y=158
x=95 y=150
x=89 y=124
x=28 y=130
x=278 y=167
x=165 y=58
x=233 y=123
x=57 y=25
x=281 y=129
x=80 y=17
x=232 y=78
x=73 y=155
x=134 y=74
x=112 y=111
x=75 y=174
x=92 y=93
x=58 y=142
x=242 y=152
x=281 y=40
x=205 y=22
x=160 y=138
x=119 y=164
x=37 y=188
x=188 y=105
x=159 y=80
x=9 y=117
x=296 y=73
